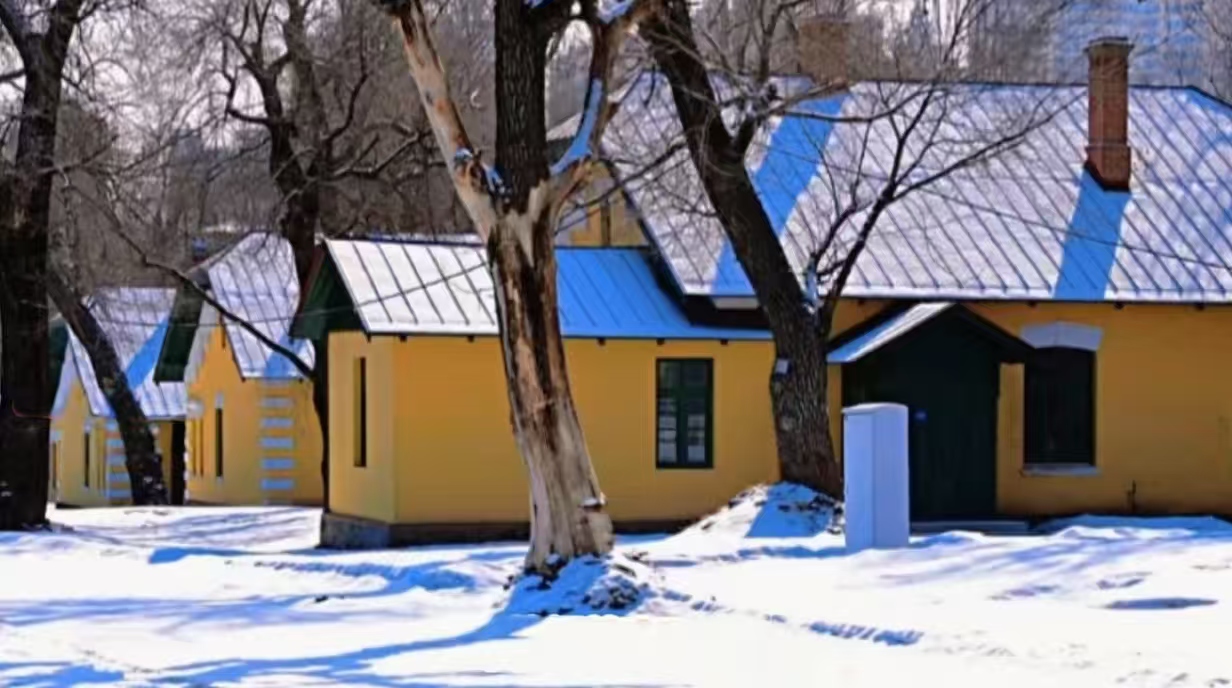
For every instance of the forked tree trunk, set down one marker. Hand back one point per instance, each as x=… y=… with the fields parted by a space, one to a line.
x=25 y=399
x=567 y=515
x=145 y=474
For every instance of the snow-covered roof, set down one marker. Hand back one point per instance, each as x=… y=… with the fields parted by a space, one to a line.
x=255 y=279
x=428 y=288
x=136 y=322
x=1027 y=224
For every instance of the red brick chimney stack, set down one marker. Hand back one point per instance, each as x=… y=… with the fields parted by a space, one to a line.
x=1108 y=155
x=824 y=48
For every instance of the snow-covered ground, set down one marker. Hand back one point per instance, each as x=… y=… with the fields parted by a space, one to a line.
x=754 y=596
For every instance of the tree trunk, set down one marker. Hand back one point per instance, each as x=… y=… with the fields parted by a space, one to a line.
x=25 y=399
x=798 y=394
x=801 y=414
x=568 y=516
x=320 y=402
x=145 y=474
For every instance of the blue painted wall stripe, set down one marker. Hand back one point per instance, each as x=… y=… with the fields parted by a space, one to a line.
x=277 y=484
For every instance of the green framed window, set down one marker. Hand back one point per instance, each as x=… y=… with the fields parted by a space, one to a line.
x=1060 y=407
x=684 y=417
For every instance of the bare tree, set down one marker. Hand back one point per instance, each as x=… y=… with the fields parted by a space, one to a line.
x=516 y=205
x=42 y=35
x=890 y=140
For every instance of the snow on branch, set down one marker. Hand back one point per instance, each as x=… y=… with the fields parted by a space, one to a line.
x=609 y=26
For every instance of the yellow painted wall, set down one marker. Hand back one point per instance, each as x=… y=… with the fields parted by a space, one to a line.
x=366 y=491
x=1163 y=410
x=455 y=459
x=108 y=476
x=622 y=228
x=1163 y=413
x=271 y=439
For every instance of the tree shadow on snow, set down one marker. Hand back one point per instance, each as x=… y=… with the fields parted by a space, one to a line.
x=301 y=608
x=54 y=675
x=356 y=666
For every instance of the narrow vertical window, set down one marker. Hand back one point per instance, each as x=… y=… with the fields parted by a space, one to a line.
x=684 y=413
x=55 y=463
x=218 y=442
x=361 y=412
x=1060 y=407
x=85 y=456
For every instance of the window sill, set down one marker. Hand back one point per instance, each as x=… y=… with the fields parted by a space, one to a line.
x=1060 y=469
x=684 y=466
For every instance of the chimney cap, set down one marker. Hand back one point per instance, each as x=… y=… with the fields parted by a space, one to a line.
x=1113 y=42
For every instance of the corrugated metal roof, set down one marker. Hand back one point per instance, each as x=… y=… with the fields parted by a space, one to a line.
x=255 y=280
x=136 y=322
x=886 y=332
x=1028 y=224
x=423 y=288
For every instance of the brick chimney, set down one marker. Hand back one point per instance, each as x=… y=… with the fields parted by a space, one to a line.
x=824 y=49
x=1108 y=155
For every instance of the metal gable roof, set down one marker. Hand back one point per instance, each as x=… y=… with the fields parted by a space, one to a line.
x=136 y=322
x=428 y=288
x=255 y=280
x=1028 y=224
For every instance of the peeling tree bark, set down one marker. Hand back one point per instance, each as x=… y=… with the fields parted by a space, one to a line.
x=515 y=207
x=145 y=475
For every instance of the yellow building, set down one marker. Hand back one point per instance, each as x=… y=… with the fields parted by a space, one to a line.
x=1055 y=316
x=676 y=415
x=252 y=434
x=87 y=453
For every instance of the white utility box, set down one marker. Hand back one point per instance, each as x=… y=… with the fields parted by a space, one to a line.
x=875 y=468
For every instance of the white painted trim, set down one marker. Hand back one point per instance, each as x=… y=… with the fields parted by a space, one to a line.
x=194 y=409
x=201 y=340
x=277 y=443
x=1063 y=334
x=734 y=302
x=275 y=402
x=64 y=387
x=56 y=435
x=270 y=463
x=1060 y=469
x=218 y=399
x=277 y=422
x=271 y=484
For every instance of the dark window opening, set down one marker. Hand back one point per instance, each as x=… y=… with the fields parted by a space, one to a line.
x=361 y=412
x=86 y=459
x=218 y=442
x=684 y=423
x=1060 y=407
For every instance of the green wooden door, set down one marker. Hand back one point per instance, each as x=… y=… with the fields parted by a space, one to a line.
x=948 y=378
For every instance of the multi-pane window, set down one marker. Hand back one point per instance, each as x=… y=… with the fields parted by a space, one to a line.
x=361 y=412
x=685 y=413
x=1060 y=408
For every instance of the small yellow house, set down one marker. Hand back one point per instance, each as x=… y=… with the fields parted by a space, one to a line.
x=87 y=454
x=421 y=447
x=252 y=433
